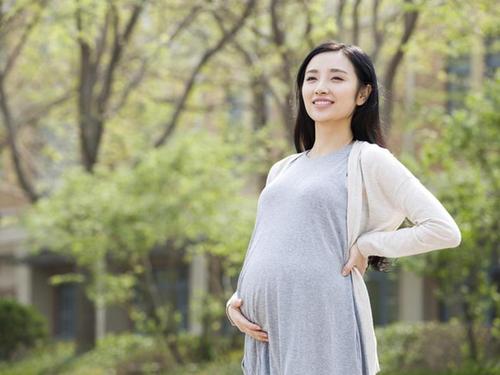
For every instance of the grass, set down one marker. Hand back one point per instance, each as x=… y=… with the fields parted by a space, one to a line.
x=127 y=354
x=41 y=361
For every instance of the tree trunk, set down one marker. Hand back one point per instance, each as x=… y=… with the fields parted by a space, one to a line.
x=469 y=326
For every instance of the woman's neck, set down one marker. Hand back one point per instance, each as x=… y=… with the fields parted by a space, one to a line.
x=329 y=139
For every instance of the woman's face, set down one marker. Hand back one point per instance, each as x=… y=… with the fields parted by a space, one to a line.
x=329 y=88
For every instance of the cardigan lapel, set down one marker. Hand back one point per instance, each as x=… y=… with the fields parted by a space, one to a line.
x=354 y=219
x=354 y=191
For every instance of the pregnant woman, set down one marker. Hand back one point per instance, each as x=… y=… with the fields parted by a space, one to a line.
x=325 y=214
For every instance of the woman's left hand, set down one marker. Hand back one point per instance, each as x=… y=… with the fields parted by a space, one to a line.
x=356 y=259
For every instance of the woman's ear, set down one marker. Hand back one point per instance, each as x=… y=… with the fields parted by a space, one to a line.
x=363 y=95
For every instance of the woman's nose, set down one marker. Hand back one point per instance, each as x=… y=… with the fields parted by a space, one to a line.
x=321 y=88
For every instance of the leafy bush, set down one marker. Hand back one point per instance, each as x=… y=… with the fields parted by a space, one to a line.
x=431 y=346
x=424 y=348
x=120 y=353
x=46 y=359
x=22 y=327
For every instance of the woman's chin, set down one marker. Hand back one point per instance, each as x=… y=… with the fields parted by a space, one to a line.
x=326 y=119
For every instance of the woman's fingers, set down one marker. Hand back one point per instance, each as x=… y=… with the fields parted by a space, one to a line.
x=365 y=267
x=251 y=329
x=258 y=335
x=251 y=326
x=261 y=336
x=248 y=324
x=243 y=324
x=356 y=259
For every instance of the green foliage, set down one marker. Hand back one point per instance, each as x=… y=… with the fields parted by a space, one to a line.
x=187 y=194
x=229 y=364
x=112 y=352
x=466 y=369
x=22 y=327
x=465 y=151
x=121 y=353
x=433 y=346
x=426 y=348
x=42 y=360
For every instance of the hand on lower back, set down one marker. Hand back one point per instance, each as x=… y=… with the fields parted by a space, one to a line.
x=243 y=324
x=356 y=259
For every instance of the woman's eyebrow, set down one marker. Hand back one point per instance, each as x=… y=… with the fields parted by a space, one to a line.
x=333 y=70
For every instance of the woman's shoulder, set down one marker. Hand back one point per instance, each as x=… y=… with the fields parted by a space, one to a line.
x=372 y=153
x=383 y=162
x=287 y=158
x=280 y=164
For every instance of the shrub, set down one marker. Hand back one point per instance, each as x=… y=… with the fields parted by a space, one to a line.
x=22 y=327
x=431 y=346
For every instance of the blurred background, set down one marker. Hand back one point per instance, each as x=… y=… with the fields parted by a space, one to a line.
x=136 y=135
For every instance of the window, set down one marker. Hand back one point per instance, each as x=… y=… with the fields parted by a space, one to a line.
x=458 y=71
x=65 y=311
x=383 y=291
x=173 y=285
x=492 y=56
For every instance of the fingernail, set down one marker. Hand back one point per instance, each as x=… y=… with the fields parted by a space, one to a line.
x=344 y=273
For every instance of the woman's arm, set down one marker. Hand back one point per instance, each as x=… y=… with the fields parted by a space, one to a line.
x=433 y=229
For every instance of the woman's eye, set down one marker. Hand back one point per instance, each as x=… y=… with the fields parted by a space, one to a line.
x=311 y=78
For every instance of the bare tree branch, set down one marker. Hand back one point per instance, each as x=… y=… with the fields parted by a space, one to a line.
x=42 y=110
x=85 y=89
x=410 y=22
x=170 y=125
x=12 y=141
x=285 y=70
x=11 y=18
x=355 y=22
x=309 y=24
x=131 y=85
x=378 y=36
x=22 y=41
x=8 y=120
x=186 y=21
x=137 y=78
x=92 y=107
x=339 y=19
x=119 y=41
x=101 y=40
x=251 y=60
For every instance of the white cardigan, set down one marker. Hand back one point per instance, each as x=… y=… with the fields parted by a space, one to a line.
x=382 y=192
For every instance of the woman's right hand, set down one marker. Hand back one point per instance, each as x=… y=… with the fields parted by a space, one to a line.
x=243 y=324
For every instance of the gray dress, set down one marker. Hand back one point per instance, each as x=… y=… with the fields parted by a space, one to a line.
x=291 y=282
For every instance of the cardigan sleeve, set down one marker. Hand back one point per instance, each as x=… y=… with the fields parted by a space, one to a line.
x=433 y=228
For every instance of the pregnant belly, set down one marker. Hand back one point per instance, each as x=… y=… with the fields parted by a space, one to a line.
x=257 y=289
x=270 y=287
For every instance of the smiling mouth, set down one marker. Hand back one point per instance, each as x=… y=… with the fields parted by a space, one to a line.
x=322 y=103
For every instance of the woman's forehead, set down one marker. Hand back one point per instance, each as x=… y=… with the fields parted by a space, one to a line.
x=330 y=61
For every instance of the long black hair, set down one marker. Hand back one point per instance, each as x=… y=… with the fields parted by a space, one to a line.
x=365 y=122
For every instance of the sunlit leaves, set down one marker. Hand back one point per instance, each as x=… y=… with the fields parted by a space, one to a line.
x=187 y=193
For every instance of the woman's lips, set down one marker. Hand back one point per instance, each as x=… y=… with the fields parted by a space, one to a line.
x=322 y=103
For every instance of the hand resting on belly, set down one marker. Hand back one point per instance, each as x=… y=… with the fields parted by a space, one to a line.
x=243 y=324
